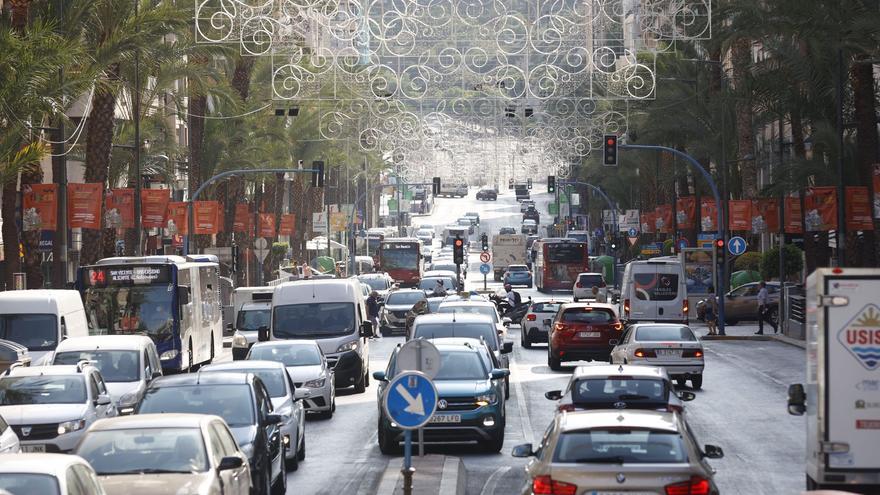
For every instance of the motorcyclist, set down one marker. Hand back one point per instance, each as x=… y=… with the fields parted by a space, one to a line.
x=512 y=298
x=439 y=290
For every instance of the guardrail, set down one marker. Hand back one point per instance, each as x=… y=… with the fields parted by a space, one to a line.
x=794 y=312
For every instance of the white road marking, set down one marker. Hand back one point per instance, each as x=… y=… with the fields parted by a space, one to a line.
x=526 y=422
x=492 y=482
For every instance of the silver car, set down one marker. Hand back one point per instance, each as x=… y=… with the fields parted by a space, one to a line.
x=56 y=474
x=614 y=451
x=8 y=440
x=670 y=345
x=308 y=369
x=397 y=305
x=532 y=327
x=282 y=392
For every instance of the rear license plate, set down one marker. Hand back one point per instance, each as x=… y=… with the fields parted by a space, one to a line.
x=669 y=353
x=33 y=448
x=589 y=334
x=621 y=493
x=445 y=418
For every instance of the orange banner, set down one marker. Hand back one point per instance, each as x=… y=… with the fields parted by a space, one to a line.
x=288 y=224
x=876 y=183
x=154 y=205
x=663 y=219
x=176 y=217
x=765 y=216
x=40 y=207
x=119 y=212
x=685 y=211
x=207 y=217
x=267 y=225
x=739 y=215
x=84 y=205
x=243 y=219
x=820 y=204
x=858 y=209
x=708 y=215
x=793 y=221
x=648 y=226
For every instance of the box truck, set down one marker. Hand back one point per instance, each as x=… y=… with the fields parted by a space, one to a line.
x=507 y=249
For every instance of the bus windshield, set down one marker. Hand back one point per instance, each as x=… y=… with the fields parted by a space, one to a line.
x=566 y=253
x=142 y=310
x=400 y=258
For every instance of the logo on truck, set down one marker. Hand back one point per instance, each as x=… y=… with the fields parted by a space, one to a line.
x=861 y=337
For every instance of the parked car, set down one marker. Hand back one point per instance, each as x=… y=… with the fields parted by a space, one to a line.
x=392 y=316
x=159 y=454
x=672 y=346
x=13 y=352
x=471 y=401
x=49 y=407
x=9 y=443
x=619 y=451
x=487 y=194
x=518 y=275
x=285 y=402
x=583 y=287
x=742 y=303
x=243 y=402
x=586 y=331
x=48 y=474
x=532 y=327
x=307 y=367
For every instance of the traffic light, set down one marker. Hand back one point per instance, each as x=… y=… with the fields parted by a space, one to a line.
x=318 y=174
x=510 y=183
x=484 y=240
x=551 y=183
x=529 y=183
x=458 y=251
x=609 y=150
x=435 y=187
x=719 y=250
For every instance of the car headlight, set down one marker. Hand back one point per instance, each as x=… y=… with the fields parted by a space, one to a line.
x=71 y=426
x=172 y=354
x=126 y=403
x=348 y=347
x=239 y=340
x=487 y=399
x=316 y=383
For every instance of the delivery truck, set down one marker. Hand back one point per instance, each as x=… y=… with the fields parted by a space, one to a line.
x=507 y=249
x=252 y=307
x=841 y=395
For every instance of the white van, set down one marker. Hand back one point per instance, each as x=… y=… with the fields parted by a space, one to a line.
x=252 y=308
x=40 y=319
x=333 y=313
x=654 y=290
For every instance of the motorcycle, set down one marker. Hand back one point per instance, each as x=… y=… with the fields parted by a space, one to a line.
x=506 y=310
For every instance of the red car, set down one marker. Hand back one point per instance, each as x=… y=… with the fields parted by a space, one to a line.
x=582 y=331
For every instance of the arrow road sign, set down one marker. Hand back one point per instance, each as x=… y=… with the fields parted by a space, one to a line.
x=485 y=257
x=632 y=232
x=410 y=400
x=737 y=245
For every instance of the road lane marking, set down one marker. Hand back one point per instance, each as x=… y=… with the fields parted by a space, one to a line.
x=492 y=482
x=389 y=478
x=525 y=421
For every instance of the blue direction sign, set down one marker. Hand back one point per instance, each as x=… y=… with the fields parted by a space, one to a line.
x=485 y=268
x=410 y=400
x=737 y=245
x=632 y=232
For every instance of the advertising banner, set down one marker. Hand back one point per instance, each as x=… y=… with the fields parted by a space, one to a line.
x=663 y=219
x=820 y=205
x=119 y=211
x=685 y=212
x=338 y=221
x=84 y=205
x=154 y=206
x=629 y=220
x=288 y=224
x=176 y=217
x=739 y=215
x=319 y=222
x=765 y=216
x=858 y=209
x=243 y=219
x=648 y=226
x=207 y=217
x=40 y=207
x=876 y=183
x=267 y=225
x=793 y=221
x=698 y=272
x=708 y=215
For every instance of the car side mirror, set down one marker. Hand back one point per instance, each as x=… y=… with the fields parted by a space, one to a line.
x=797 y=400
x=263 y=334
x=506 y=321
x=553 y=395
x=273 y=419
x=713 y=452
x=380 y=376
x=366 y=329
x=156 y=374
x=499 y=374
x=548 y=322
x=102 y=400
x=230 y=462
x=687 y=395
x=182 y=295
x=507 y=348
x=524 y=450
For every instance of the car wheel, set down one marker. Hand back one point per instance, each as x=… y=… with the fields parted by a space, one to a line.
x=697 y=382
x=554 y=363
x=526 y=342
x=292 y=464
x=386 y=445
x=359 y=386
x=301 y=452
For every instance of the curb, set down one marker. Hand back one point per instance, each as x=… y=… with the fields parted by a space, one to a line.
x=757 y=338
x=439 y=475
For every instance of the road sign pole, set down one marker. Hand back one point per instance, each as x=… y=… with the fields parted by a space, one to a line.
x=485 y=280
x=407 y=470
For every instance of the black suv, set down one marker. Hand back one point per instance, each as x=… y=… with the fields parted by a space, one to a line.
x=242 y=400
x=532 y=214
x=487 y=194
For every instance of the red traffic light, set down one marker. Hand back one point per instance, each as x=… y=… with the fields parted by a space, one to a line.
x=459 y=243
x=719 y=243
x=611 y=141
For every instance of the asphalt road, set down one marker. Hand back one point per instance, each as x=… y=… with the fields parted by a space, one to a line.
x=741 y=407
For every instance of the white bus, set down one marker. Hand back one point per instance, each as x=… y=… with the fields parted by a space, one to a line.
x=173 y=300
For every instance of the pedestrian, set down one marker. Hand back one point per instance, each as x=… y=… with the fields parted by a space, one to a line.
x=598 y=296
x=711 y=315
x=373 y=313
x=307 y=271
x=764 y=310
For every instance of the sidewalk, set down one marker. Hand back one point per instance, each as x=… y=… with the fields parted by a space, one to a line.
x=745 y=332
x=434 y=475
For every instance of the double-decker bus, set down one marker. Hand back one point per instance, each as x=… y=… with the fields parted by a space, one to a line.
x=402 y=259
x=171 y=299
x=558 y=262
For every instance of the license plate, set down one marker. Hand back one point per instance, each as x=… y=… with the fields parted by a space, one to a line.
x=33 y=448
x=445 y=418
x=621 y=493
x=589 y=334
x=669 y=353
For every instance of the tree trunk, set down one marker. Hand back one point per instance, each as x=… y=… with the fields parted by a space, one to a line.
x=10 y=231
x=198 y=106
x=741 y=57
x=862 y=79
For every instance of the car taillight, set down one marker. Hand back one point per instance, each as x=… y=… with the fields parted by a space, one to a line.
x=578 y=285
x=684 y=306
x=645 y=353
x=531 y=317
x=695 y=353
x=545 y=485
x=617 y=325
x=626 y=307
x=694 y=486
x=559 y=327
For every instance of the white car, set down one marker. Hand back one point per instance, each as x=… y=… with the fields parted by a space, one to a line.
x=47 y=474
x=307 y=367
x=8 y=440
x=532 y=325
x=670 y=345
x=477 y=306
x=583 y=287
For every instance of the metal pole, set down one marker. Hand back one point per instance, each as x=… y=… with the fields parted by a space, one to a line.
x=841 y=190
x=781 y=229
x=138 y=249
x=60 y=167
x=407 y=462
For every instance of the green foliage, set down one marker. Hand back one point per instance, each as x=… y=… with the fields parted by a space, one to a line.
x=279 y=249
x=750 y=261
x=668 y=246
x=794 y=262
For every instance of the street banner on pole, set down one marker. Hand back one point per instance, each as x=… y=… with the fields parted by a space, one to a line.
x=176 y=218
x=708 y=215
x=84 y=205
x=663 y=219
x=765 y=216
x=739 y=215
x=207 y=216
x=685 y=211
x=267 y=225
x=154 y=206
x=648 y=222
x=40 y=207
x=243 y=221
x=858 y=209
x=338 y=221
x=119 y=210
x=288 y=224
x=820 y=204
x=793 y=222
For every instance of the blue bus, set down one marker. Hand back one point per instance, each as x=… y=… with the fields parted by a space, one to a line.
x=171 y=299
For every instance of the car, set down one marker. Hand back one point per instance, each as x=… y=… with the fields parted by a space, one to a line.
x=474 y=216
x=518 y=275
x=163 y=453
x=447 y=265
x=531 y=214
x=529 y=227
x=438 y=273
x=619 y=451
x=285 y=402
x=128 y=363
x=48 y=474
x=466 y=222
x=308 y=368
x=471 y=401
x=583 y=287
x=243 y=402
x=392 y=316
x=506 y=231
x=49 y=407
x=476 y=306
x=379 y=282
x=525 y=205
x=423 y=307
x=13 y=352
x=531 y=240
x=620 y=387
x=427 y=284
x=670 y=345
x=654 y=290
x=532 y=327
x=742 y=303
x=487 y=194
x=9 y=443
x=582 y=331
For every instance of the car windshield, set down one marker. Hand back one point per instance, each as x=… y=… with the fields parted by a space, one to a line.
x=375 y=283
x=49 y=389
x=27 y=483
x=566 y=253
x=404 y=298
x=587 y=315
x=273 y=378
x=115 y=366
x=665 y=333
x=253 y=319
x=145 y=310
x=233 y=403
x=37 y=332
x=473 y=309
x=655 y=286
x=145 y=451
x=545 y=307
x=609 y=391
x=620 y=446
x=443 y=266
x=288 y=354
x=313 y=320
x=430 y=283
x=450 y=330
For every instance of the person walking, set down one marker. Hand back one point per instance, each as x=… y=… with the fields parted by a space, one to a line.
x=764 y=310
x=711 y=315
x=373 y=313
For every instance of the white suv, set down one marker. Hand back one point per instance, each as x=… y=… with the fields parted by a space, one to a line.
x=49 y=407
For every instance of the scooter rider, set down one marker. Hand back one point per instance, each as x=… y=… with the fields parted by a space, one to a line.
x=513 y=298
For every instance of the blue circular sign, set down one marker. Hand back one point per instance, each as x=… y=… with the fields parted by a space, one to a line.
x=632 y=232
x=485 y=268
x=737 y=245
x=410 y=400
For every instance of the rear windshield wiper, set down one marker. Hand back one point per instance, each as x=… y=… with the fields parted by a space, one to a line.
x=602 y=460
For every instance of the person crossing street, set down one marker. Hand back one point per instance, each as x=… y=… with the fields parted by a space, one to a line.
x=764 y=310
